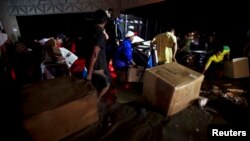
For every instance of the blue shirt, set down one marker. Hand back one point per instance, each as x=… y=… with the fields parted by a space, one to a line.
x=123 y=55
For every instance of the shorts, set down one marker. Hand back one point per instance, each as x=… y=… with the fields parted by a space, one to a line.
x=100 y=79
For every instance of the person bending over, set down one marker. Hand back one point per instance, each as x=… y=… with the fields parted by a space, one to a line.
x=215 y=61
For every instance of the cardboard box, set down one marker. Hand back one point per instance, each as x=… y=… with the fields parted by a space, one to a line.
x=135 y=74
x=171 y=87
x=237 y=68
x=55 y=109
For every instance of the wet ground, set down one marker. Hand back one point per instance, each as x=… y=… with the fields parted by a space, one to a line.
x=132 y=119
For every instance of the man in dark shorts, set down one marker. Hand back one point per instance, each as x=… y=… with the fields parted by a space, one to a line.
x=96 y=64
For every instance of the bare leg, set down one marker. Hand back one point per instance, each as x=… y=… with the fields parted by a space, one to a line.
x=103 y=110
x=102 y=92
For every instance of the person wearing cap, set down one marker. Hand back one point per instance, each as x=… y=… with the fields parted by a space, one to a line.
x=166 y=46
x=221 y=53
x=123 y=55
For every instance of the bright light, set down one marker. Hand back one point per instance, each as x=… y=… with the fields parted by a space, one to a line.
x=14 y=29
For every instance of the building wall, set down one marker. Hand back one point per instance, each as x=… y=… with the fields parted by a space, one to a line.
x=126 y=4
x=41 y=7
x=34 y=7
x=8 y=21
x=9 y=9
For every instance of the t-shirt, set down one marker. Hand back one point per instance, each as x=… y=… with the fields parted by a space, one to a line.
x=96 y=38
x=163 y=41
x=216 y=59
x=123 y=55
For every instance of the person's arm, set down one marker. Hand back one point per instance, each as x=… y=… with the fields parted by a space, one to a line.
x=93 y=59
x=153 y=41
x=106 y=34
x=47 y=73
x=133 y=63
x=210 y=60
x=174 y=48
x=128 y=52
x=174 y=51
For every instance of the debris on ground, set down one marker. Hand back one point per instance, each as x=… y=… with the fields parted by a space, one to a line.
x=227 y=91
x=202 y=102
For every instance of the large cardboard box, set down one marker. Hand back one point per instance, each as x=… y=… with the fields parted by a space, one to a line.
x=55 y=109
x=135 y=74
x=237 y=68
x=171 y=87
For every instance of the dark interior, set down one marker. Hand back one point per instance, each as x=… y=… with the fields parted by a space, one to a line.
x=206 y=15
x=40 y=26
x=229 y=19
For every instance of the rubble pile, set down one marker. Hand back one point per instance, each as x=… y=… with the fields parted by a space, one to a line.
x=236 y=96
x=227 y=91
